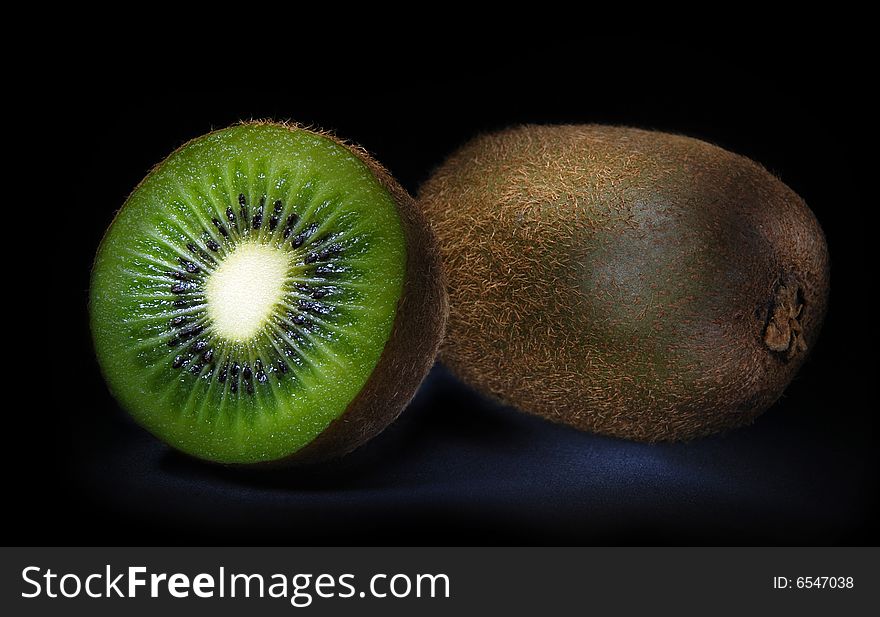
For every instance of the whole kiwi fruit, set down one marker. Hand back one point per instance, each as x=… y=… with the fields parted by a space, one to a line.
x=267 y=293
x=633 y=283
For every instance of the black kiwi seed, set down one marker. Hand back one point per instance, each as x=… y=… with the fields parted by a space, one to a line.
x=261 y=374
x=315 y=307
x=329 y=269
x=288 y=228
x=243 y=212
x=276 y=215
x=220 y=227
x=334 y=250
x=188 y=265
x=324 y=254
x=304 y=235
x=196 y=250
x=258 y=216
x=191 y=332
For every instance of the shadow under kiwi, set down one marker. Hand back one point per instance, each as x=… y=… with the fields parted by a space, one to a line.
x=443 y=409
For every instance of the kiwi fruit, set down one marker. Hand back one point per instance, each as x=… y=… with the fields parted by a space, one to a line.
x=267 y=293
x=633 y=283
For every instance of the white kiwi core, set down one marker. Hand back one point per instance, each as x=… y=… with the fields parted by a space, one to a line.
x=242 y=292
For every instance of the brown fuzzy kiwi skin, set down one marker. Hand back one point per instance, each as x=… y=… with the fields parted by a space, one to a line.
x=637 y=284
x=413 y=346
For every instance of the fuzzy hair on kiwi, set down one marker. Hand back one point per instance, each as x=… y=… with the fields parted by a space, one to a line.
x=408 y=353
x=633 y=283
x=422 y=314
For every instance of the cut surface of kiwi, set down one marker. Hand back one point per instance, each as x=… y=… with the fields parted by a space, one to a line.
x=265 y=292
x=628 y=282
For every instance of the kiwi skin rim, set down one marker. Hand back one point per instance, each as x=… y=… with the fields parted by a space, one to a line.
x=416 y=335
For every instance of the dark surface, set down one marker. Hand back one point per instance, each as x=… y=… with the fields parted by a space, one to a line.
x=456 y=469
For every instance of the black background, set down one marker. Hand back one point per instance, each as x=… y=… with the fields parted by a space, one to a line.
x=456 y=469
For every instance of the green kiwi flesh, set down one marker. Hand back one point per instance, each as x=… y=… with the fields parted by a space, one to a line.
x=633 y=283
x=266 y=293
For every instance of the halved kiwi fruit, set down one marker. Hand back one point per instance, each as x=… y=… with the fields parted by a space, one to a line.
x=628 y=282
x=266 y=293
